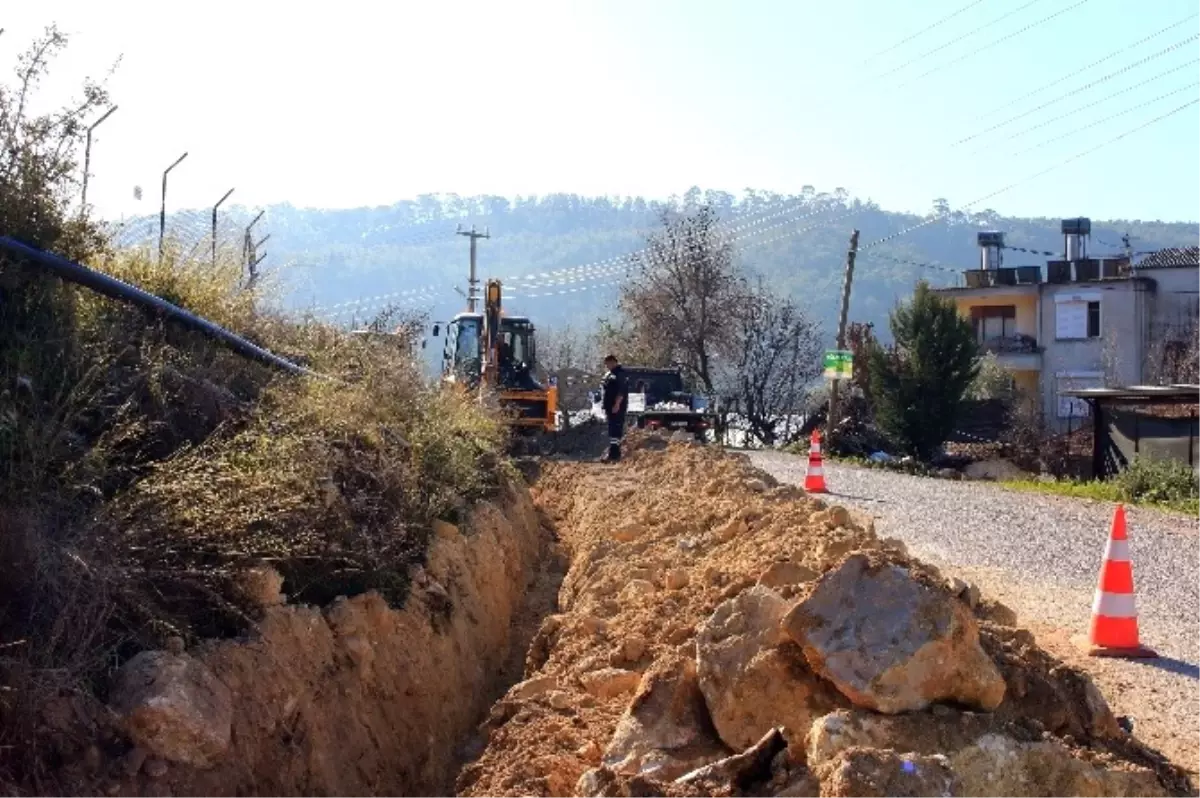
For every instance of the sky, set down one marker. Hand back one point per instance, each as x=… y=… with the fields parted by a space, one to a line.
x=359 y=103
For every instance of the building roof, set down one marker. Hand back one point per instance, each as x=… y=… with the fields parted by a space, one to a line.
x=1142 y=393
x=1172 y=257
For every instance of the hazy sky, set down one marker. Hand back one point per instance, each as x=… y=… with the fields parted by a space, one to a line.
x=365 y=103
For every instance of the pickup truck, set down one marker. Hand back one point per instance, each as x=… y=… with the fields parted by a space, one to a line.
x=657 y=400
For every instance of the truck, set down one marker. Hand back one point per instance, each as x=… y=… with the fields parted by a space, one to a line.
x=658 y=400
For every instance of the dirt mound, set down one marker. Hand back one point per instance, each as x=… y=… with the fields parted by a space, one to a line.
x=700 y=614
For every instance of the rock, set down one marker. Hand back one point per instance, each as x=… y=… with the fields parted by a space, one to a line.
x=735 y=587
x=740 y=771
x=593 y=625
x=875 y=772
x=890 y=643
x=756 y=486
x=733 y=528
x=174 y=707
x=134 y=760
x=833 y=549
x=664 y=733
x=994 y=611
x=175 y=644
x=558 y=699
x=532 y=688
x=634 y=647
x=636 y=589
x=957 y=586
x=754 y=680
x=894 y=544
x=999 y=765
x=949 y=473
x=973 y=596
x=590 y=752
x=609 y=682
x=677 y=579
x=156 y=768
x=838 y=515
x=629 y=532
x=786 y=573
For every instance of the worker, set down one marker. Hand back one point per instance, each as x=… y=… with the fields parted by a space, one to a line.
x=614 y=403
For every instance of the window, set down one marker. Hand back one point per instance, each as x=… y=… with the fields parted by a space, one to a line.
x=1077 y=316
x=994 y=322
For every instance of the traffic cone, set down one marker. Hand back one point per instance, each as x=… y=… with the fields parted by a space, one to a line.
x=1114 y=631
x=814 y=479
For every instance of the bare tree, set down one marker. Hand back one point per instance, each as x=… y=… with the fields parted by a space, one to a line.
x=777 y=361
x=572 y=357
x=677 y=306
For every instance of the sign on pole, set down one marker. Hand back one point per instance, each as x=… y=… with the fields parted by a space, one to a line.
x=839 y=364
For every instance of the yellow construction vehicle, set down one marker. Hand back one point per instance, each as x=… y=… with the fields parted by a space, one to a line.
x=495 y=354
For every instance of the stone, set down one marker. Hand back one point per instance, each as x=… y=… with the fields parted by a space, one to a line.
x=629 y=532
x=752 y=678
x=838 y=515
x=636 y=589
x=876 y=772
x=973 y=596
x=609 y=682
x=173 y=706
x=593 y=625
x=558 y=699
x=590 y=752
x=734 y=527
x=664 y=732
x=445 y=530
x=892 y=643
x=992 y=610
x=756 y=486
x=999 y=765
x=532 y=688
x=677 y=579
x=634 y=647
x=786 y=573
x=752 y=766
x=156 y=768
x=133 y=761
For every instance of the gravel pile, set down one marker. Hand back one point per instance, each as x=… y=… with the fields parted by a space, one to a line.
x=1041 y=555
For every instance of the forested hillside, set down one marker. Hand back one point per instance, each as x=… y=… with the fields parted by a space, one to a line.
x=408 y=252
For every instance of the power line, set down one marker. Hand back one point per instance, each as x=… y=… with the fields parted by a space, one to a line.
x=1034 y=176
x=1102 y=121
x=1093 y=104
x=1068 y=76
x=1094 y=83
x=992 y=44
x=954 y=41
x=925 y=30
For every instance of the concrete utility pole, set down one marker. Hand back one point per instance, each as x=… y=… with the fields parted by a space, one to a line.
x=214 y=226
x=162 y=214
x=87 y=156
x=831 y=420
x=472 y=280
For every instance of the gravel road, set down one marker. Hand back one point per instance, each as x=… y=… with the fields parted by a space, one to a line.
x=1041 y=556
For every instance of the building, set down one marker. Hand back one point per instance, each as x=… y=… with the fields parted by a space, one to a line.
x=1081 y=322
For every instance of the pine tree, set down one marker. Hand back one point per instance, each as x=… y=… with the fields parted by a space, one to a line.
x=920 y=382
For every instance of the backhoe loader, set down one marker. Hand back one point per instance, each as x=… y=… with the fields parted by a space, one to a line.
x=495 y=354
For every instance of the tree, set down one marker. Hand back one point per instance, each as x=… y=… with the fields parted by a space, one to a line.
x=572 y=358
x=778 y=358
x=679 y=300
x=919 y=383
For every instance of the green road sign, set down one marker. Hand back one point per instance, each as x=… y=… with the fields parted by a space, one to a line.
x=839 y=364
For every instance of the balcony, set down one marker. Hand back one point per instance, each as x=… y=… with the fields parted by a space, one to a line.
x=1087 y=270
x=992 y=278
x=1017 y=352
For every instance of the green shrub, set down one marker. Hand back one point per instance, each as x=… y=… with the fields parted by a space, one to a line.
x=1158 y=481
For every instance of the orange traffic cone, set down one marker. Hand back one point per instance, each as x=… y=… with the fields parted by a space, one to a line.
x=814 y=479
x=1114 y=631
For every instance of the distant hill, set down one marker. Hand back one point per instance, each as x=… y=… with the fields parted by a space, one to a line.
x=796 y=242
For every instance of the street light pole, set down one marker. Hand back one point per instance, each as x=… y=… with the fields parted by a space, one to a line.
x=214 y=226
x=87 y=158
x=162 y=214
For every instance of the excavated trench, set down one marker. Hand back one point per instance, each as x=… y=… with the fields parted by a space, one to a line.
x=522 y=664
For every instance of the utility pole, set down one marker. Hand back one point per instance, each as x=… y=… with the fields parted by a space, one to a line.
x=162 y=214
x=472 y=280
x=831 y=420
x=1128 y=250
x=87 y=156
x=214 y=226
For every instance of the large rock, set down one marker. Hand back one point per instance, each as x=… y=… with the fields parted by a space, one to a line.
x=753 y=679
x=875 y=772
x=665 y=732
x=174 y=707
x=892 y=642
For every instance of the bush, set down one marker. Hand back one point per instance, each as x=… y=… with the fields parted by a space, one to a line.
x=1158 y=482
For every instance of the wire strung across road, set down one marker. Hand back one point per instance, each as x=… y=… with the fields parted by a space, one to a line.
x=925 y=29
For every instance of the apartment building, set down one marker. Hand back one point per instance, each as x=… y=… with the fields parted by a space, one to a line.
x=1079 y=321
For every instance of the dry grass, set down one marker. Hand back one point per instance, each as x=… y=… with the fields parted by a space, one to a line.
x=143 y=468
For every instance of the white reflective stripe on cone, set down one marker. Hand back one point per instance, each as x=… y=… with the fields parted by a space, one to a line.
x=815 y=471
x=1117 y=550
x=814 y=449
x=1115 y=605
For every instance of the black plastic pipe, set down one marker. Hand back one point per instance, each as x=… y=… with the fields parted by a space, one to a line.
x=110 y=286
